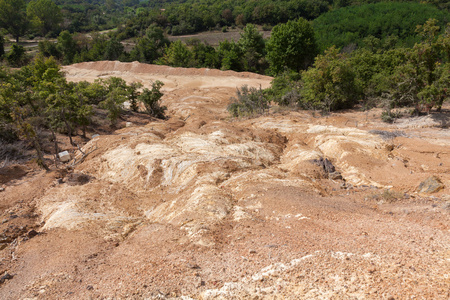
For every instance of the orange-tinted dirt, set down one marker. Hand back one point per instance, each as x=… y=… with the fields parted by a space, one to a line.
x=288 y=205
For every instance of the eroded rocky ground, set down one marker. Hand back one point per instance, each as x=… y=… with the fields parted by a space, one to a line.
x=289 y=205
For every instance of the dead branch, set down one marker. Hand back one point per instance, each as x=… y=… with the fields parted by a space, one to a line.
x=76 y=162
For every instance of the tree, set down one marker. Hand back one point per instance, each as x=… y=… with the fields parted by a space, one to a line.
x=253 y=47
x=227 y=16
x=133 y=95
x=292 y=46
x=151 y=98
x=67 y=46
x=285 y=88
x=230 y=55
x=203 y=55
x=115 y=97
x=422 y=80
x=2 y=46
x=13 y=17
x=44 y=15
x=151 y=46
x=114 y=49
x=48 y=48
x=17 y=57
x=177 y=55
x=330 y=84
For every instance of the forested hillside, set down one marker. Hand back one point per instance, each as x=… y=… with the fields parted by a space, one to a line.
x=349 y=26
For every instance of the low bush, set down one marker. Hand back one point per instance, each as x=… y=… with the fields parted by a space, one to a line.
x=249 y=101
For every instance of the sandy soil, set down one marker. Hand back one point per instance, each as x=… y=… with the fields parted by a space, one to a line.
x=288 y=205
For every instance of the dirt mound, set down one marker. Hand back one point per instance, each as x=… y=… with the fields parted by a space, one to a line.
x=173 y=78
x=140 y=68
x=283 y=206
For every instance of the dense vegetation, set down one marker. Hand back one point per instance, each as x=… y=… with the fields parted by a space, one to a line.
x=37 y=97
x=396 y=22
x=379 y=75
x=189 y=16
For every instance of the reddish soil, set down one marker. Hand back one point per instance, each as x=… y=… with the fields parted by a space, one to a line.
x=202 y=206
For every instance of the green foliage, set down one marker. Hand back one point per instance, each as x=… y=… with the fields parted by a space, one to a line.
x=423 y=81
x=249 y=101
x=114 y=98
x=151 y=100
x=114 y=103
x=350 y=25
x=45 y=16
x=17 y=57
x=291 y=45
x=176 y=55
x=373 y=71
x=230 y=55
x=330 y=84
x=133 y=95
x=286 y=89
x=184 y=17
x=38 y=97
x=13 y=17
x=203 y=55
x=66 y=46
x=151 y=47
x=47 y=49
x=252 y=45
x=114 y=49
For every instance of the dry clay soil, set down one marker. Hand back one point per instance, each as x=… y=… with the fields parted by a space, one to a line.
x=202 y=206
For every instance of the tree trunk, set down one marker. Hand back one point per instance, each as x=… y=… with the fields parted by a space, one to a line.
x=69 y=128
x=56 y=146
x=40 y=160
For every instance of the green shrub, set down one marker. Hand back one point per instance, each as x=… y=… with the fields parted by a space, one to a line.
x=151 y=98
x=17 y=57
x=330 y=84
x=249 y=101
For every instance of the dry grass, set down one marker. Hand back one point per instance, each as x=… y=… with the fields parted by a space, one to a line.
x=213 y=38
x=388 y=195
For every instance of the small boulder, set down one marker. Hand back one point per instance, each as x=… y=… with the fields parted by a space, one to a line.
x=430 y=185
x=64 y=156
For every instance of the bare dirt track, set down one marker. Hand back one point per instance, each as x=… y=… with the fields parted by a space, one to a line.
x=287 y=205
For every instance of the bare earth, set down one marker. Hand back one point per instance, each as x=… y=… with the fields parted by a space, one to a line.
x=202 y=206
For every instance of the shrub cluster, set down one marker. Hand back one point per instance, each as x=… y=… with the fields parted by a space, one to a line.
x=38 y=97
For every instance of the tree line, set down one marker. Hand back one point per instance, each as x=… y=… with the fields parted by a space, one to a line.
x=378 y=74
x=132 y=17
x=191 y=16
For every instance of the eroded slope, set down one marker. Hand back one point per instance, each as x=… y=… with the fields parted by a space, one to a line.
x=202 y=206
